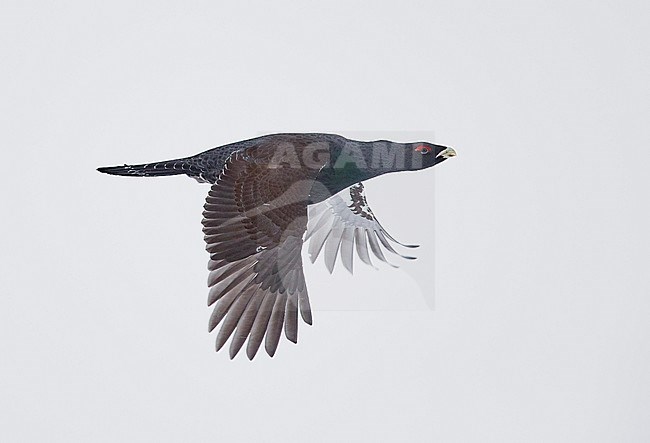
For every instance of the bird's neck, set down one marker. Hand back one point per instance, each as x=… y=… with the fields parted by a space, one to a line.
x=369 y=159
x=354 y=162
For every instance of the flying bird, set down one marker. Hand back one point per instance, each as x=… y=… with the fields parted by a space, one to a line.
x=270 y=194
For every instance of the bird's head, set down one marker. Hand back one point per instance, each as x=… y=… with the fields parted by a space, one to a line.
x=423 y=155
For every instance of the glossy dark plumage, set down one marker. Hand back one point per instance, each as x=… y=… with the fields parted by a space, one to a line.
x=269 y=193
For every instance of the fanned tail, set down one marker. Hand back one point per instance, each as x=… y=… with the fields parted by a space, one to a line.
x=169 y=167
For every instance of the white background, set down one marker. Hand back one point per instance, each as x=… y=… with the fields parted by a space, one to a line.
x=540 y=327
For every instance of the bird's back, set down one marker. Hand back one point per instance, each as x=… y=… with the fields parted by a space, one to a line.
x=210 y=163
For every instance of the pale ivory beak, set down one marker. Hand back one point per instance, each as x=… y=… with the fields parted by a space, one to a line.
x=447 y=153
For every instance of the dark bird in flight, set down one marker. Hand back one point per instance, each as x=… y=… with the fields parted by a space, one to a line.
x=269 y=195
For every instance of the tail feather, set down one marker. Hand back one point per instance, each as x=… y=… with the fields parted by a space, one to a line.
x=170 y=167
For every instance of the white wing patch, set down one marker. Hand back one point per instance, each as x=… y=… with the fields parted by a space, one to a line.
x=343 y=221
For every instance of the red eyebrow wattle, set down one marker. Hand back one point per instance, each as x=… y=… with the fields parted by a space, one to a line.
x=423 y=148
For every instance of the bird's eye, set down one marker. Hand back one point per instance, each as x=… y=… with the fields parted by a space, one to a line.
x=423 y=149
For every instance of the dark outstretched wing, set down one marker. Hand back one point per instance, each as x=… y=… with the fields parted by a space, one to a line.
x=255 y=218
x=340 y=222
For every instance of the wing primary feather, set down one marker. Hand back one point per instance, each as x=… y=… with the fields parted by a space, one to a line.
x=316 y=243
x=388 y=246
x=246 y=323
x=220 y=289
x=347 y=248
x=332 y=246
x=234 y=314
x=290 y=280
x=376 y=249
x=220 y=310
x=224 y=303
x=362 y=246
x=305 y=308
x=291 y=317
x=393 y=238
x=259 y=325
x=274 y=329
